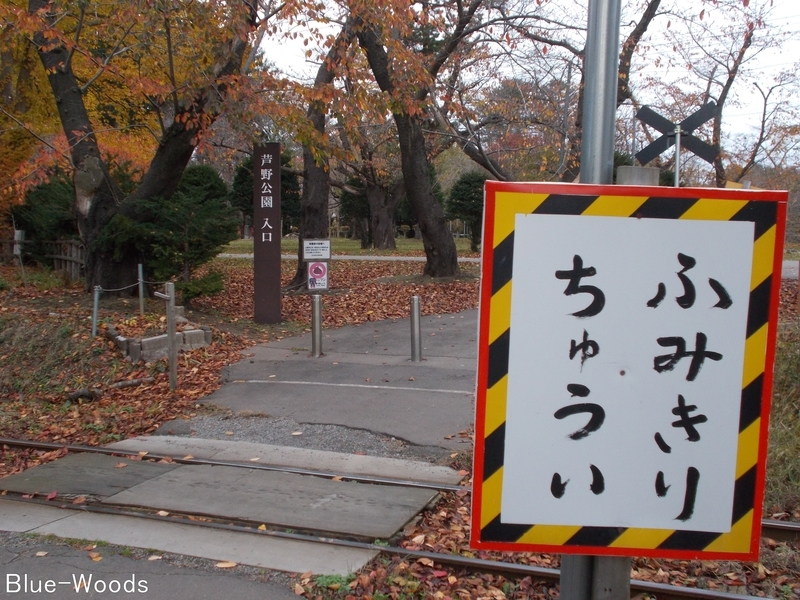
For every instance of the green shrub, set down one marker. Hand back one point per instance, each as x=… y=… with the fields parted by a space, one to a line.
x=241 y=195
x=466 y=203
x=207 y=285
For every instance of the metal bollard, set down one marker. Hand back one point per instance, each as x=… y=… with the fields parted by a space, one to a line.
x=316 y=326
x=141 y=290
x=97 y=290
x=416 y=336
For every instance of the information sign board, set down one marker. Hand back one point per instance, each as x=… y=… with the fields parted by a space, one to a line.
x=316 y=250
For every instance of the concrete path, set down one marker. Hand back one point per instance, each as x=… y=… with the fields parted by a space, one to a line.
x=27 y=565
x=248 y=453
x=365 y=379
x=790 y=269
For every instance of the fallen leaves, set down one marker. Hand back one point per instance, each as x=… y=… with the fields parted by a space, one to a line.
x=361 y=291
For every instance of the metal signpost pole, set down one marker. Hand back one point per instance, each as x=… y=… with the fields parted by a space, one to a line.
x=316 y=326
x=602 y=56
x=584 y=577
x=678 y=156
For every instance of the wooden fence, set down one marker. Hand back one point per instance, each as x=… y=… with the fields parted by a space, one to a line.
x=67 y=256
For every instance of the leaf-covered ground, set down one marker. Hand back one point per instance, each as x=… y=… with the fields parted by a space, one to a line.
x=47 y=352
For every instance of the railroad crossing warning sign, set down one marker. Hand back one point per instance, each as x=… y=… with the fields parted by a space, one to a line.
x=625 y=369
x=702 y=149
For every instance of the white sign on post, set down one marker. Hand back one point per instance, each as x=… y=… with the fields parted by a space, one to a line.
x=625 y=363
x=316 y=250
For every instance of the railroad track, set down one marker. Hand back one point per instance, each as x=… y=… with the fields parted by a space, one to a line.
x=776 y=530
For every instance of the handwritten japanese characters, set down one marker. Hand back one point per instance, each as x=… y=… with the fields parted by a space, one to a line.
x=625 y=368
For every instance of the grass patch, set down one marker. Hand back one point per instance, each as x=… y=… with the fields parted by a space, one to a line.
x=783 y=464
x=405 y=247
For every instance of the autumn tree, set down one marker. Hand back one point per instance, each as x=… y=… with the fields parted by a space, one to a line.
x=175 y=63
x=718 y=48
x=405 y=70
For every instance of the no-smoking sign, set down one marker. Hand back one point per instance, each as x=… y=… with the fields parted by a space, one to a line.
x=318 y=276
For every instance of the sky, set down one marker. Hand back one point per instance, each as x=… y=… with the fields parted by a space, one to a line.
x=741 y=119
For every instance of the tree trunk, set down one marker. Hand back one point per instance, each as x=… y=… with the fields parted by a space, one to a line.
x=475 y=236
x=316 y=179
x=361 y=230
x=382 y=205
x=440 y=249
x=96 y=196
x=313 y=203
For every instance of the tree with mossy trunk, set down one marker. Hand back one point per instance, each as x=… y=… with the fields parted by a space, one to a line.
x=182 y=84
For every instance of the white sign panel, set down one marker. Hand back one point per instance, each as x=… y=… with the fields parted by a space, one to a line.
x=625 y=371
x=316 y=249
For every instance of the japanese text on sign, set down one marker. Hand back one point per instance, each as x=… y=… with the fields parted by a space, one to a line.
x=266 y=196
x=626 y=366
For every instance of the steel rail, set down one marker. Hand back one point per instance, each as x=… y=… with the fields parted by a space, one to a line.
x=478 y=565
x=241 y=465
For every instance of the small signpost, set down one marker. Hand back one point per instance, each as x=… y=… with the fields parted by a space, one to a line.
x=317 y=253
x=267 y=233
x=623 y=389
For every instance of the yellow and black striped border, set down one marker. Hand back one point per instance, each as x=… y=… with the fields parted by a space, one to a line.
x=767 y=210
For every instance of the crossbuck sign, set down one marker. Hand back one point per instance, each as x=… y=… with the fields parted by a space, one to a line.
x=626 y=342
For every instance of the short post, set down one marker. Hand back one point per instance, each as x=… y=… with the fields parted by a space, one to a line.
x=97 y=290
x=798 y=287
x=169 y=288
x=416 y=336
x=316 y=326
x=141 y=290
x=19 y=237
x=173 y=347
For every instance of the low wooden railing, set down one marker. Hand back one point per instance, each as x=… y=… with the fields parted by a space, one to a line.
x=67 y=256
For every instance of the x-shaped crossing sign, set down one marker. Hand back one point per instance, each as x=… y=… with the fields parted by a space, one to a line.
x=685 y=128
